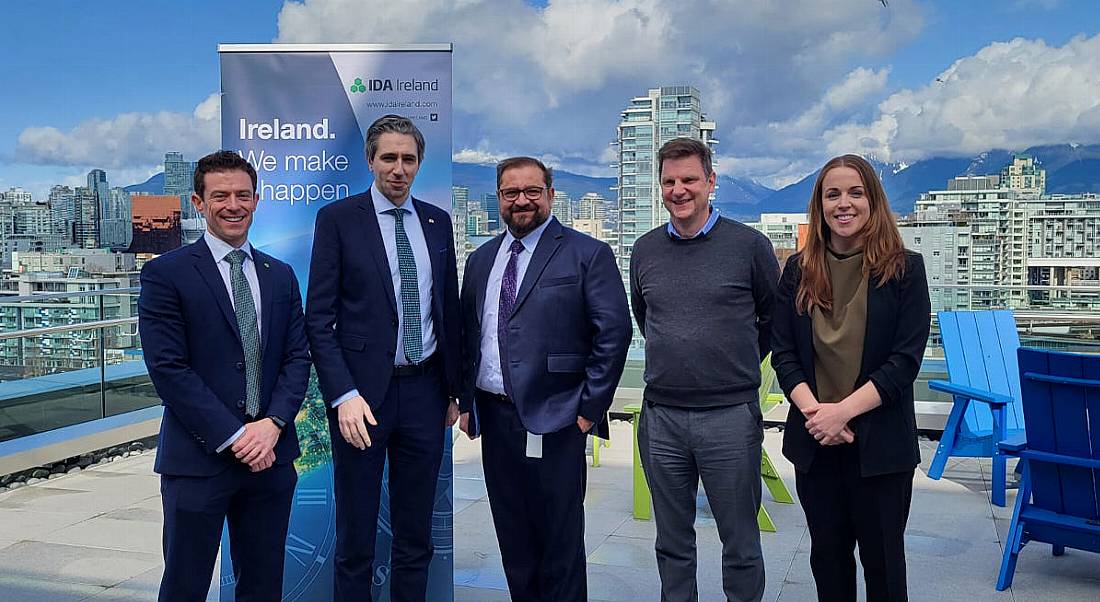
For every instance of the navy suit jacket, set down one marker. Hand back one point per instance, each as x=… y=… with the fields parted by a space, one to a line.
x=193 y=350
x=351 y=305
x=568 y=334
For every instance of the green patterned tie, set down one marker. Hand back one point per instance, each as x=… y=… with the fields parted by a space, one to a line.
x=245 y=309
x=410 y=291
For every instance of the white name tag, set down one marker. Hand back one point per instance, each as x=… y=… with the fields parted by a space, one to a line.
x=534 y=445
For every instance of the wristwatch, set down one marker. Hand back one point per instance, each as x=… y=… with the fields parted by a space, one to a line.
x=279 y=422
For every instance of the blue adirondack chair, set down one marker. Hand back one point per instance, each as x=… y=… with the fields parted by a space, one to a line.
x=980 y=347
x=1059 y=497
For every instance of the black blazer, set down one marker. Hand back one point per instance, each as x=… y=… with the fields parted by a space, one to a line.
x=893 y=347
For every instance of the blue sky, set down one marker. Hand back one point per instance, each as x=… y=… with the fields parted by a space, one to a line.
x=116 y=83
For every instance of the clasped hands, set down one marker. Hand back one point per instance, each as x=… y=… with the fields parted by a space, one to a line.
x=256 y=447
x=828 y=423
x=355 y=414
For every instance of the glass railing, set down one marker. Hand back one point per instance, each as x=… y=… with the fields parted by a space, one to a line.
x=1065 y=318
x=67 y=358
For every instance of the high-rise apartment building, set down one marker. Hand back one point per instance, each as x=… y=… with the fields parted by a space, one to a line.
x=647 y=123
x=1008 y=247
x=62 y=202
x=1025 y=175
x=179 y=180
x=562 y=208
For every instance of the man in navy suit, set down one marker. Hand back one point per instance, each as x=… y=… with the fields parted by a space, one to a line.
x=545 y=329
x=384 y=328
x=222 y=330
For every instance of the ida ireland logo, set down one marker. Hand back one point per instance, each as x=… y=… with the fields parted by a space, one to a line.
x=361 y=85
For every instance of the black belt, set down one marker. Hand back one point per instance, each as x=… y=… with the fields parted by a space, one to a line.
x=497 y=397
x=415 y=369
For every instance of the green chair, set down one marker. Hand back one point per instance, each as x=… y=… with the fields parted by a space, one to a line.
x=779 y=492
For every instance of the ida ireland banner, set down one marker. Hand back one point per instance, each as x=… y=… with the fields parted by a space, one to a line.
x=299 y=114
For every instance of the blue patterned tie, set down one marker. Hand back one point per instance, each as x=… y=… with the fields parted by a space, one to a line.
x=507 y=297
x=410 y=291
x=245 y=309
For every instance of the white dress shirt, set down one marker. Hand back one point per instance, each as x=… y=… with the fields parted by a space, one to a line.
x=489 y=376
x=219 y=249
x=387 y=224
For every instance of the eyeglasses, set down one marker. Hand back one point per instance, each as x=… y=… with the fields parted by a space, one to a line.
x=533 y=193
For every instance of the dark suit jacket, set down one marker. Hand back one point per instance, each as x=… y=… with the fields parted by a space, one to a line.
x=351 y=305
x=898 y=316
x=193 y=350
x=568 y=333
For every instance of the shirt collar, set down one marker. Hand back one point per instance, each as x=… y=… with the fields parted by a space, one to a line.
x=713 y=219
x=219 y=248
x=383 y=204
x=530 y=241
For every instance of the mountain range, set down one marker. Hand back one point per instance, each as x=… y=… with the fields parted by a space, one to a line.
x=1071 y=168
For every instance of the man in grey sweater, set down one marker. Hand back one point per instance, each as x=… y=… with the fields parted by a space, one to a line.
x=702 y=290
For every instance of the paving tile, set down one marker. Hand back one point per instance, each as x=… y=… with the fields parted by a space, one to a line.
x=19 y=588
x=466 y=488
x=40 y=561
x=623 y=584
x=17 y=524
x=111 y=533
x=624 y=552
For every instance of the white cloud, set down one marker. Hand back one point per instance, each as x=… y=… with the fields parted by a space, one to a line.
x=479 y=157
x=1009 y=95
x=554 y=79
x=129 y=140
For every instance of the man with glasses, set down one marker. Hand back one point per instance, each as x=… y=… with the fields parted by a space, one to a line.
x=384 y=328
x=545 y=333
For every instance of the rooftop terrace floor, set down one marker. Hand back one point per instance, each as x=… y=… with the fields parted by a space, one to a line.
x=95 y=535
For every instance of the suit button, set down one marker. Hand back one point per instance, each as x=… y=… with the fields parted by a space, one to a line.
x=240 y=403
x=394 y=322
x=390 y=353
x=239 y=366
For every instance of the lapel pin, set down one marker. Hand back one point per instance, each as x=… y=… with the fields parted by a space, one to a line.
x=267 y=265
x=431 y=221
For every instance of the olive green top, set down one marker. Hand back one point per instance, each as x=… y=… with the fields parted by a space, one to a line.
x=838 y=335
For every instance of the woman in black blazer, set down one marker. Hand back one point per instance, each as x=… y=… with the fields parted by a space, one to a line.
x=851 y=324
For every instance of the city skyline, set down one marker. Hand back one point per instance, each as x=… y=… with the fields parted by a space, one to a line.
x=883 y=81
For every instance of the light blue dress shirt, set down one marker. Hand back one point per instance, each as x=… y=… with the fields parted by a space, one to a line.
x=713 y=219
x=489 y=376
x=387 y=224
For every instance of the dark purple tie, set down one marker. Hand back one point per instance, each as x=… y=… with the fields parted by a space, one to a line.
x=507 y=297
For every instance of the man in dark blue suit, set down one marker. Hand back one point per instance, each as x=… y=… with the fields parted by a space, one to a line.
x=546 y=329
x=222 y=330
x=384 y=328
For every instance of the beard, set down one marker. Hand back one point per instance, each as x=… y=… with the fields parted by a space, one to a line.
x=519 y=230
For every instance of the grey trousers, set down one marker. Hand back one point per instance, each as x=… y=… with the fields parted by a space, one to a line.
x=721 y=446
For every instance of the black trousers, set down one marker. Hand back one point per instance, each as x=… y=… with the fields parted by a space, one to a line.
x=257 y=508
x=844 y=509
x=537 y=505
x=410 y=434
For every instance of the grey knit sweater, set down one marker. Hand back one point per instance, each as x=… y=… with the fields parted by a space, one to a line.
x=704 y=305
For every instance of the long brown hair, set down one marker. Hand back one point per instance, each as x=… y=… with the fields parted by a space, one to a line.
x=883 y=251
